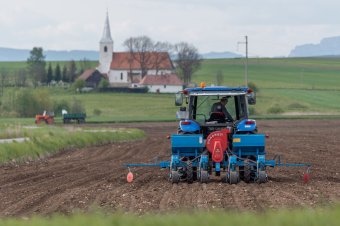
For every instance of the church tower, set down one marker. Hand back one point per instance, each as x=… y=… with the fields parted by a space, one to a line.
x=106 y=48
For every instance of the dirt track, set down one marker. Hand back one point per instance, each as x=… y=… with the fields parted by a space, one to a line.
x=82 y=178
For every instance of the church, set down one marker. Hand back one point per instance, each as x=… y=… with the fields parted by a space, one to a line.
x=123 y=69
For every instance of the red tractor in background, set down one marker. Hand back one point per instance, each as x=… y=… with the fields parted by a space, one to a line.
x=47 y=117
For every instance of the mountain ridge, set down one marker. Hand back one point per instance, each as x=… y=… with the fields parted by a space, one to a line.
x=329 y=46
x=11 y=54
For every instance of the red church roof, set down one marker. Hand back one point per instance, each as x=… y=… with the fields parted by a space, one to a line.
x=125 y=60
x=168 y=79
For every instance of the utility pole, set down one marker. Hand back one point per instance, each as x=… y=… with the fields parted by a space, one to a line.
x=246 y=63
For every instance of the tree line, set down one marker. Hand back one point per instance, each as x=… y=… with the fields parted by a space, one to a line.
x=38 y=72
x=185 y=56
x=37 y=69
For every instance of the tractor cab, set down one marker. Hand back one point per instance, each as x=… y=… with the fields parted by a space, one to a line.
x=199 y=116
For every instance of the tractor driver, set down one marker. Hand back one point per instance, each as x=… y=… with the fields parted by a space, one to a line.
x=220 y=107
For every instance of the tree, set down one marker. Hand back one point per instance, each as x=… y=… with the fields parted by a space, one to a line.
x=188 y=60
x=3 y=79
x=72 y=71
x=28 y=102
x=36 y=66
x=60 y=105
x=161 y=55
x=77 y=106
x=219 y=77
x=57 y=73
x=103 y=83
x=140 y=49
x=49 y=75
x=20 y=77
x=64 y=74
x=78 y=85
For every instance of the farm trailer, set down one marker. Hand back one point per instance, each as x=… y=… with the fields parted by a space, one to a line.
x=78 y=117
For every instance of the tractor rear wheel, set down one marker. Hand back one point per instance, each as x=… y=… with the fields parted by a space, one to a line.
x=174 y=177
x=190 y=172
x=246 y=171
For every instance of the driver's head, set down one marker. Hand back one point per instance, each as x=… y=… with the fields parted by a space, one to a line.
x=224 y=100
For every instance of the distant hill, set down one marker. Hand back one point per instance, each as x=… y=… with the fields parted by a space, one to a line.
x=8 y=54
x=327 y=47
x=220 y=55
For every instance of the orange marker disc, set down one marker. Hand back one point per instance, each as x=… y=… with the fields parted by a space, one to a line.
x=129 y=177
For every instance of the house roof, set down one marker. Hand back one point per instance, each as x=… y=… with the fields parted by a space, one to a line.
x=167 y=79
x=86 y=74
x=89 y=72
x=127 y=60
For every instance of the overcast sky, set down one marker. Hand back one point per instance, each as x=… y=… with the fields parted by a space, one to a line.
x=274 y=27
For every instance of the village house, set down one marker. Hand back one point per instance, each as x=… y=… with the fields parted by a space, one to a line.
x=123 y=69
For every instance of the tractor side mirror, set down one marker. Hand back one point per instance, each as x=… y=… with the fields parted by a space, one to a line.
x=179 y=99
x=251 y=98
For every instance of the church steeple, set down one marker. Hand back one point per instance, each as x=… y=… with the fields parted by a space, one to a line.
x=105 y=48
x=106 y=38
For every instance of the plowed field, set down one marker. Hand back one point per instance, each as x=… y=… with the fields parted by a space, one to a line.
x=80 y=179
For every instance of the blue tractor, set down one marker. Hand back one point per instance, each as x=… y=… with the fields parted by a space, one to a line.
x=215 y=136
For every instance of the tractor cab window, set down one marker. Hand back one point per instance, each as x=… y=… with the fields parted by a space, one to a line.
x=241 y=105
x=202 y=106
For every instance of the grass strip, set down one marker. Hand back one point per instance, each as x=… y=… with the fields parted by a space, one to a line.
x=320 y=216
x=46 y=140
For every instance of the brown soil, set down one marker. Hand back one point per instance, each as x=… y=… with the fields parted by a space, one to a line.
x=95 y=176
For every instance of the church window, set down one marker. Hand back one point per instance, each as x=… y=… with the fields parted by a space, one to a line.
x=105 y=49
x=121 y=76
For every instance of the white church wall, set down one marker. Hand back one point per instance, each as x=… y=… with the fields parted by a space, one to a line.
x=118 y=76
x=160 y=72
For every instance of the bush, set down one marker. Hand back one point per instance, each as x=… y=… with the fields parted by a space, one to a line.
x=276 y=109
x=60 y=105
x=78 y=85
x=253 y=86
x=29 y=103
x=77 y=106
x=103 y=83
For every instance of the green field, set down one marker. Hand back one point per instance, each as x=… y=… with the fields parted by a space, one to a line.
x=125 y=107
x=310 y=217
x=287 y=86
